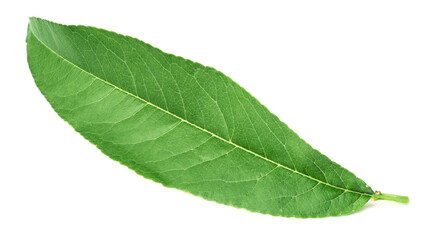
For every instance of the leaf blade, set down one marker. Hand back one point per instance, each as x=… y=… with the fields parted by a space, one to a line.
x=252 y=152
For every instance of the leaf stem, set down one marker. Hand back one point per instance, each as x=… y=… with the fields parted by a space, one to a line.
x=390 y=197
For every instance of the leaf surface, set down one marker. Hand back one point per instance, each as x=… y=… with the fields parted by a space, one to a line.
x=184 y=125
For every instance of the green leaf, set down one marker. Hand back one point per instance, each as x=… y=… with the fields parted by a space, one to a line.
x=185 y=125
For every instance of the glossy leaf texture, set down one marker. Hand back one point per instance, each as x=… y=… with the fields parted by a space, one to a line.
x=184 y=125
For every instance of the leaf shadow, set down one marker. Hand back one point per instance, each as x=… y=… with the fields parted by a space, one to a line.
x=370 y=205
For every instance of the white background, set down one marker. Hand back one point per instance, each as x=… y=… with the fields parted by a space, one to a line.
x=353 y=78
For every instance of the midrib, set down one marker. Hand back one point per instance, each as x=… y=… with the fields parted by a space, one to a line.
x=198 y=127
